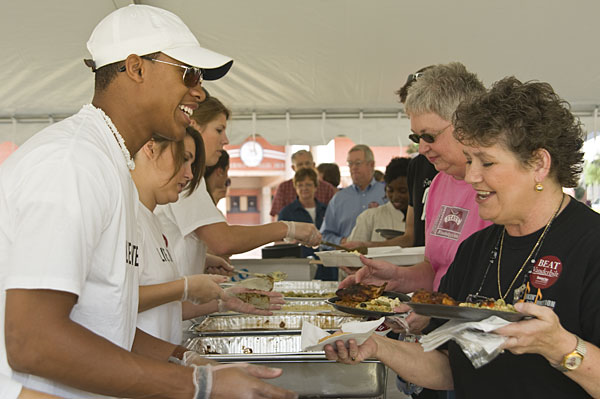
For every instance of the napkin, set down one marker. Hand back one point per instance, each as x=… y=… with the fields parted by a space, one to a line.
x=475 y=339
x=357 y=330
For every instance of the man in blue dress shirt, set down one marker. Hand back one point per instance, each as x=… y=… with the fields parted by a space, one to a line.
x=365 y=192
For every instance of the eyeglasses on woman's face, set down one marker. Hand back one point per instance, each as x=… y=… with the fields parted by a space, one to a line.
x=426 y=137
x=412 y=78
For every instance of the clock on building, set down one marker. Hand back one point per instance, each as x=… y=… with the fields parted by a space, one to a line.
x=251 y=153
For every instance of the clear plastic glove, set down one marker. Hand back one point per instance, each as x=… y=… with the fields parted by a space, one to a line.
x=202 y=288
x=306 y=233
x=236 y=380
x=230 y=301
x=217 y=265
x=244 y=381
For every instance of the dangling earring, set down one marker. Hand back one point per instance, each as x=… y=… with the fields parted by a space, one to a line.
x=539 y=187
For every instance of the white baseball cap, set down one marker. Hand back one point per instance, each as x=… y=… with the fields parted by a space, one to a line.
x=141 y=29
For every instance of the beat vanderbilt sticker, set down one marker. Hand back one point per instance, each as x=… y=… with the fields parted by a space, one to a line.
x=545 y=272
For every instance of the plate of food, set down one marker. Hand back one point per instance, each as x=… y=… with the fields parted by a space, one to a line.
x=367 y=300
x=442 y=306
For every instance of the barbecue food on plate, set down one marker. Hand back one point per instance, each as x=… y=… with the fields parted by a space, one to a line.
x=360 y=292
x=433 y=298
x=492 y=304
x=439 y=298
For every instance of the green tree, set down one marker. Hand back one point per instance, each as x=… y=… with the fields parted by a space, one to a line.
x=591 y=172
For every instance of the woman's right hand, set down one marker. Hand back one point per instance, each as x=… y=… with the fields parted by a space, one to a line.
x=351 y=354
x=375 y=272
x=203 y=288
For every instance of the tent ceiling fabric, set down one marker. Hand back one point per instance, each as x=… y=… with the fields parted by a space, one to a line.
x=309 y=57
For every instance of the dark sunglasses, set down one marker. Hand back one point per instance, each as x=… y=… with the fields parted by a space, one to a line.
x=426 y=137
x=228 y=182
x=192 y=76
x=412 y=78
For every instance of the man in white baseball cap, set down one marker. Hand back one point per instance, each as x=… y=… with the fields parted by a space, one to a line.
x=144 y=30
x=68 y=235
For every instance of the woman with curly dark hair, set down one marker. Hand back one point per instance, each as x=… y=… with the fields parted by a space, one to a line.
x=522 y=146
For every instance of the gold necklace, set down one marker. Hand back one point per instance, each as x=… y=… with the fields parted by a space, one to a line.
x=535 y=247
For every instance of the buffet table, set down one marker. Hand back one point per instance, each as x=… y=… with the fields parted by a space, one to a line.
x=275 y=341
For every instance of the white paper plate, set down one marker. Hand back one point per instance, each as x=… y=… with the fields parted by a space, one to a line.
x=357 y=330
x=396 y=255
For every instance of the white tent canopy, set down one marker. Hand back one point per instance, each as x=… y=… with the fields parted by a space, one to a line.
x=307 y=71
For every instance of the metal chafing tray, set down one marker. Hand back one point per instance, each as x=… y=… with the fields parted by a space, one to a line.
x=311 y=375
x=305 y=290
x=237 y=323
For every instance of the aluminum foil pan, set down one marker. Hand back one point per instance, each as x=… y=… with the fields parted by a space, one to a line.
x=306 y=306
x=295 y=306
x=238 y=323
x=245 y=344
x=306 y=289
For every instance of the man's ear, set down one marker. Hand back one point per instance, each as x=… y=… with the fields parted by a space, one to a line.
x=293 y=168
x=134 y=68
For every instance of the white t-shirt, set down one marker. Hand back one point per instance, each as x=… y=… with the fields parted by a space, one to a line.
x=157 y=266
x=181 y=219
x=9 y=389
x=312 y=212
x=67 y=216
x=383 y=217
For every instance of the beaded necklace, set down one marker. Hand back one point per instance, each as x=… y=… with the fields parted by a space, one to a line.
x=118 y=137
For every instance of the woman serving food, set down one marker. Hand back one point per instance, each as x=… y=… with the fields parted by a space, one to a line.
x=522 y=146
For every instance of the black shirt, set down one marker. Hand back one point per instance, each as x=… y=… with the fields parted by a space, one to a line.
x=420 y=174
x=567 y=272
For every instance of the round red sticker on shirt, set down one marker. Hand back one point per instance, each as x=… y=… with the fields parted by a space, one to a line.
x=545 y=272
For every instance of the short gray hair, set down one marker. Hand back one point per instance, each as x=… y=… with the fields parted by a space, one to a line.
x=441 y=89
x=365 y=149
x=301 y=152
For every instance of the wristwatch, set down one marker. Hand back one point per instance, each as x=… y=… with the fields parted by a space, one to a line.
x=572 y=360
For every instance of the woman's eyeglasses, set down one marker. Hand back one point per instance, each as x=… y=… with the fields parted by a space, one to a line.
x=426 y=137
x=412 y=78
x=192 y=76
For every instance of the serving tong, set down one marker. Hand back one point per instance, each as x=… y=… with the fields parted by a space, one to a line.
x=362 y=250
